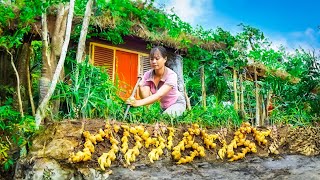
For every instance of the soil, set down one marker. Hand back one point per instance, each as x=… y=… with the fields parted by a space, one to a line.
x=288 y=164
x=287 y=167
x=298 y=149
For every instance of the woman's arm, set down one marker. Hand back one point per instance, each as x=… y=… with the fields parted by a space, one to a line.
x=144 y=91
x=150 y=99
x=144 y=88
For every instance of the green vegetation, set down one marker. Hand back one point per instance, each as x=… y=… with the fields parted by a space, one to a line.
x=90 y=95
x=15 y=131
x=87 y=92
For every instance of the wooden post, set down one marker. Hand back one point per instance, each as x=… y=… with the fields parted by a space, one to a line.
x=187 y=98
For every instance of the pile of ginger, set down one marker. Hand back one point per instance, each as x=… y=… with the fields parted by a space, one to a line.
x=120 y=147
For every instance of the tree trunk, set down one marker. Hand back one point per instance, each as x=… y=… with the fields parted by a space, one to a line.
x=49 y=55
x=203 y=88
x=46 y=64
x=175 y=63
x=40 y=114
x=22 y=67
x=257 y=97
x=18 y=84
x=242 y=111
x=29 y=85
x=84 y=31
x=235 y=91
x=250 y=111
x=51 y=51
x=6 y=74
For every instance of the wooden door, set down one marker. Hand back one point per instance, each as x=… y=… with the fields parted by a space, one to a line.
x=127 y=72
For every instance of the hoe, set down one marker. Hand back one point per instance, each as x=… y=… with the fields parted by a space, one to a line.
x=132 y=95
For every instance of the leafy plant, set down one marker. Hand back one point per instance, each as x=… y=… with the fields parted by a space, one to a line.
x=15 y=131
x=88 y=92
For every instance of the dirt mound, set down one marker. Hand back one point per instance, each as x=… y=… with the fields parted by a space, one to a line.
x=59 y=140
x=89 y=149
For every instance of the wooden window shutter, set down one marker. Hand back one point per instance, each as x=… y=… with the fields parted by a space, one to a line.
x=144 y=64
x=104 y=57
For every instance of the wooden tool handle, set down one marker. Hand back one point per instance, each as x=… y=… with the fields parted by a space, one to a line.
x=132 y=95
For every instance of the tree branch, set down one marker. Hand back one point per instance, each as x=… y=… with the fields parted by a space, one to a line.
x=18 y=83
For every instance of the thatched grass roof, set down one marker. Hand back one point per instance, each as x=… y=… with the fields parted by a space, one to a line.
x=160 y=36
x=263 y=71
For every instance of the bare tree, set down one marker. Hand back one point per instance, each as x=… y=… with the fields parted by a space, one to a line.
x=84 y=31
x=18 y=83
x=51 y=50
x=40 y=114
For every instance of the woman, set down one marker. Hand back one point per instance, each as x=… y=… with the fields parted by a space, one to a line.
x=160 y=83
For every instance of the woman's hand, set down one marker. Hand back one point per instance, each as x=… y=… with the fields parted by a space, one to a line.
x=141 y=83
x=132 y=102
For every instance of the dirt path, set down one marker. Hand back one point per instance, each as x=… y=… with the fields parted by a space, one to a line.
x=288 y=167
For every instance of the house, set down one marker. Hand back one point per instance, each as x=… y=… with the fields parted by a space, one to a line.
x=125 y=62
